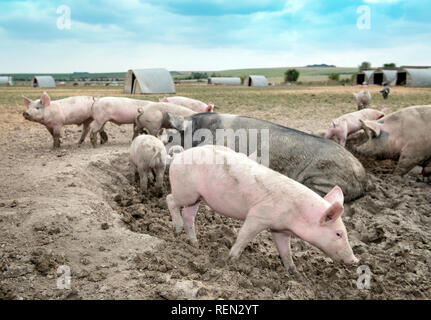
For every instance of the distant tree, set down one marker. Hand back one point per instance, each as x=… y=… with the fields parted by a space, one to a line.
x=243 y=77
x=389 y=65
x=365 y=65
x=199 y=75
x=291 y=75
x=334 y=76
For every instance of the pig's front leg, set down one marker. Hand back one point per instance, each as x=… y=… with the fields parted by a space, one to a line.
x=249 y=230
x=56 y=136
x=282 y=241
x=409 y=158
x=174 y=210
x=342 y=134
x=189 y=214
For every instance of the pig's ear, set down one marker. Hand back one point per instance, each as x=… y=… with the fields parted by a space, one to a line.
x=164 y=100
x=27 y=101
x=335 y=195
x=210 y=107
x=175 y=122
x=333 y=124
x=332 y=213
x=371 y=128
x=45 y=99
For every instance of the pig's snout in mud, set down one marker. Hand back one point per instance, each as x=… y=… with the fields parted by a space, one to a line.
x=26 y=115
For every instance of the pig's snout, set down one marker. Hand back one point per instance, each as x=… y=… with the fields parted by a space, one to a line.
x=26 y=114
x=351 y=260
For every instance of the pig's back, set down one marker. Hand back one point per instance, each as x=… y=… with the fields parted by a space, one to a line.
x=76 y=109
x=318 y=163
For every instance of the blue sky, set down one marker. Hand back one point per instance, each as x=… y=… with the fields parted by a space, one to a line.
x=115 y=35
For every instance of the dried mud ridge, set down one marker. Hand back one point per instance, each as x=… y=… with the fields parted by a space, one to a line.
x=389 y=229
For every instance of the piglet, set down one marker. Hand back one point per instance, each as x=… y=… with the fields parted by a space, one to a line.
x=55 y=114
x=351 y=123
x=235 y=186
x=148 y=153
x=114 y=109
x=363 y=99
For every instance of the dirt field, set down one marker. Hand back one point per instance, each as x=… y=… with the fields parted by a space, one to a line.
x=77 y=206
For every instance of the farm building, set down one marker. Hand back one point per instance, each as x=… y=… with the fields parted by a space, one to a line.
x=232 y=81
x=364 y=76
x=43 y=82
x=4 y=80
x=414 y=77
x=387 y=77
x=256 y=81
x=148 y=81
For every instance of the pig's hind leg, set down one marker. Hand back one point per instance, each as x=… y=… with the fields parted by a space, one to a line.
x=85 y=129
x=282 y=241
x=174 y=210
x=96 y=126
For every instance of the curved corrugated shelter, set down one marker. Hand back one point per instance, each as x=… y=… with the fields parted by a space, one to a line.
x=364 y=76
x=387 y=77
x=414 y=77
x=43 y=82
x=156 y=80
x=256 y=81
x=232 y=81
x=4 y=80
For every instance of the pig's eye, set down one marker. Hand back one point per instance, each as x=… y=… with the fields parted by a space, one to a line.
x=339 y=235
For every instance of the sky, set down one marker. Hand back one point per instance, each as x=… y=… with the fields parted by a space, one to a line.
x=113 y=36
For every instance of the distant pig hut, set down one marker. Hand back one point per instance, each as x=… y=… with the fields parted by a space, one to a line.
x=43 y=82
x=386 y=77
x=141 y=81
x=232 y=81
x=256 y=81
x=364 y=77
x=4 y=80
x=414 y=77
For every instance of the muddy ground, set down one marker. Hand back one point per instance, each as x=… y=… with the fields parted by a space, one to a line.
x=79 y=207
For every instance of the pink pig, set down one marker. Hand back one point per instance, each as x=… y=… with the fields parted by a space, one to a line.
x=114 y=109
x=351 y=123
x=238 y=187
x=55 y=114
x=195 y=105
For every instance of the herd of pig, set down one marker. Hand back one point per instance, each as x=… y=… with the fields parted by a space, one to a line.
x=301 y=191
